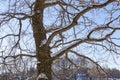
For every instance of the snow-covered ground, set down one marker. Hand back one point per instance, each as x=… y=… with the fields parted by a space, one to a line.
x=97 y=79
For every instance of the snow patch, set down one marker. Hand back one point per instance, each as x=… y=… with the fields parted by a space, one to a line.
x=52 y=28
x=38 y=62
x=38 y=11
x=43 y=42
x=67 y=47
x=50 y=1
x=42 y=75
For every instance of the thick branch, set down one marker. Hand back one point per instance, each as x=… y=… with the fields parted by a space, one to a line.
x=75 y=19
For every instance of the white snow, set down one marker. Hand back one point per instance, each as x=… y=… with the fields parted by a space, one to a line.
x=50 y=1
x=38 y=62
x=43 y=42
x=38 y=11
x=66 y=47
x=52 y=28
x=42 y=75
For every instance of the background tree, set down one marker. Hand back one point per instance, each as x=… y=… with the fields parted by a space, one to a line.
x=41 y=31
x=113 y=73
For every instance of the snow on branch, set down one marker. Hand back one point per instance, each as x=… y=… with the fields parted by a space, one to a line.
x=76 y=18
x=50 y=1
x=66 y=48
x=52 y=28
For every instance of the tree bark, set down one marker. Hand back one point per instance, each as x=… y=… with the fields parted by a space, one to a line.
x=39 y=33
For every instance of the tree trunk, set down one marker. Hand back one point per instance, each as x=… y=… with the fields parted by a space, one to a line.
x=42 y=51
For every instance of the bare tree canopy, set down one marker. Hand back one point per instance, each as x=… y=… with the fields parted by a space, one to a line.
x=40 y=32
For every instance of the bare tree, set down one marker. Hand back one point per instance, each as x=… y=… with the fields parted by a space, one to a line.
x=41 y=31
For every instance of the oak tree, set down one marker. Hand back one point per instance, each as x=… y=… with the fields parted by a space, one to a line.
x=38 y=32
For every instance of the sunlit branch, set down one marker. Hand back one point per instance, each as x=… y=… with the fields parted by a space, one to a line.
x=67 y=48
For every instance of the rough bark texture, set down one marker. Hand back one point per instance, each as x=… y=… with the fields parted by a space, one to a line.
x=42 y=51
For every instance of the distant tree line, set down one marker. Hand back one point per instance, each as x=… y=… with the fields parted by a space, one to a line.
x=113 y=73
x=66 y=71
